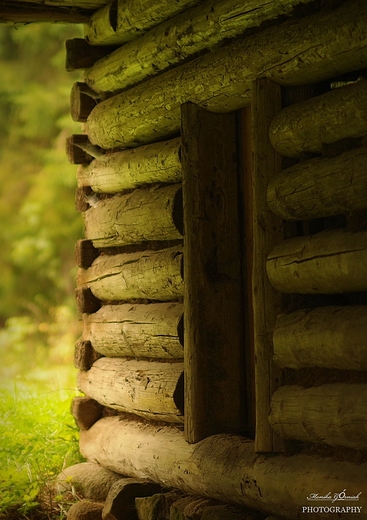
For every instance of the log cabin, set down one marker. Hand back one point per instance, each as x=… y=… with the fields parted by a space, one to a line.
x=223 y=275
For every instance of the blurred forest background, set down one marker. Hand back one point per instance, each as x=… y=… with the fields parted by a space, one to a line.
x=39 y=225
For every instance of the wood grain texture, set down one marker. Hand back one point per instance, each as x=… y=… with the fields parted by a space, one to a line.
x=224 y=467
x=203 y=27
x=146 y=388
x=154 y=275
x=321 y=187
x=336 y=115
x=327 y=337
x=333 y=414
x=118 y=171
x=214 y=351
x=129 y=19
x=143 y=215
x=330 y=262
x=264 y=231
x=297 y=52
x=154 y=330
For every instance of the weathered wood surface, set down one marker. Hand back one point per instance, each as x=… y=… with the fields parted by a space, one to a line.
x=154 y=275
x=294 y=53
x=91 y=480
x=85 y=253
x=86 y=301
x=161 y=454
x=118 y=171
x=85 y=4
x=120 y=501
x=321 y=187
x=149 y=389
x=151 y=331
x=85 y=355
x=264 y=230
x=143 y=215
x=305 y=126
x=85 y=411
x=128 y=19
x=214 y=362
x=327 y=337
x=333 y=414
x=28 y=12
x=82 y=101
x=330 y=262
x=202 y=27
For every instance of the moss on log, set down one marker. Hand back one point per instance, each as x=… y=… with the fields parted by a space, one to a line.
x=330 y=262
x=276 y=485
x=152 y=331
x=118 y=171
x=305 y=126
x=146 y=388
x=321 y=187
x=149 y=214
x=297 y=52
x=327 y=337
x=153 y=275
x=333 y=414
x=125 y=20
x=202 y=27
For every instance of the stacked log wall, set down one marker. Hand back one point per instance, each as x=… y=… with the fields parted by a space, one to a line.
x=319 y=340
x=134 y=148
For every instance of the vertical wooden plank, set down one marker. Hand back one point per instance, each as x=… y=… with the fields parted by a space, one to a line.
x=266 y=230
x=214 y=360
x=246 y=165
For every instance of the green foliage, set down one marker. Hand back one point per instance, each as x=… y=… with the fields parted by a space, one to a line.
x=38 y=321
x=39 y=223
x=39 y=439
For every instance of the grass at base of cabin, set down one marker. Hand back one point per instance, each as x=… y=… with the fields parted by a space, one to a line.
x=38 y=439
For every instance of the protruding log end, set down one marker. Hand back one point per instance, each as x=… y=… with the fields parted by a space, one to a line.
x=82 y=101
x=85 y=253
x=85 y=355
x=86 y=301
x=81 y=55
x=86 y=412
x=77 y=149
x=120 y=502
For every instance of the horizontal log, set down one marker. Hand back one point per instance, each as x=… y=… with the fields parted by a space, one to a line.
x=162 y=455
x=333 y=414
x=330 y=262
x=321 y=187
x=125 y=20
x=149 y=389
x=302 y=51
x=305 y=126
x=154 y=275
x=327 y=337
x=91 y=480
x=151 y=331
x=85 y=4
x=118 y=171
x=202 y=27
x=143 y=215
x=27 y=12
